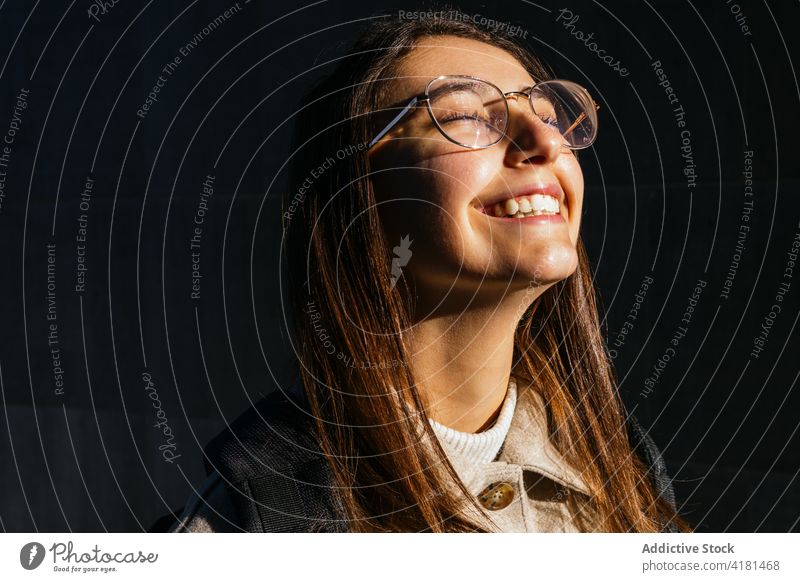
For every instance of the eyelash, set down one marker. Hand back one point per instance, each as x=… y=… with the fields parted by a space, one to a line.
x=457 y=116
x=550 y=120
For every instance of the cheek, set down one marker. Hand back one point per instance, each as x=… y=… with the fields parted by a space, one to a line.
x=454 y=180
x=429 y=202
x=432 y=194
x=448 y=184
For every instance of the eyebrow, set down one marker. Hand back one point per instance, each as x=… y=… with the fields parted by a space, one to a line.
x=464 y=84
x=467 y=84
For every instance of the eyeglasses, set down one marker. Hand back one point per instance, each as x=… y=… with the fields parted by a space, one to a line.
x=474 y=114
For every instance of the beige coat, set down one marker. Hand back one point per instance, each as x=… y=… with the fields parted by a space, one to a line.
x=528 y=462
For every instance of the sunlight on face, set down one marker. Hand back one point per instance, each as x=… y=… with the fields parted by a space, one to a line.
x=442 y=195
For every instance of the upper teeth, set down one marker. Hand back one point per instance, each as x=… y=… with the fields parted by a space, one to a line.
x=525 y=205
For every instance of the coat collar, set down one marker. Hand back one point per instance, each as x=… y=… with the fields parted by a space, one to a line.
x=529 y=445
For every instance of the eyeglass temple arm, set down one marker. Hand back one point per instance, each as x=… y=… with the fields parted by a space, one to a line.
x=394 y=121
x=577 y=121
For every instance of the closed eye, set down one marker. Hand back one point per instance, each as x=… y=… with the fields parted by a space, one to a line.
x=474 y=116
x=550 y=120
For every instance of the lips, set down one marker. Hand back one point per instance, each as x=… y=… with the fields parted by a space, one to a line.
x=534 y=200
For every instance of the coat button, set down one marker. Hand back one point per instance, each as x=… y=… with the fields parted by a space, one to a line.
x=496 y=496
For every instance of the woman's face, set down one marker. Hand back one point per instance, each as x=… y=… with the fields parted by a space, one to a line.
x=439 y=194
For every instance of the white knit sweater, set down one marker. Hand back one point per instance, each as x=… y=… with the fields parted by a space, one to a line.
x=480 y=447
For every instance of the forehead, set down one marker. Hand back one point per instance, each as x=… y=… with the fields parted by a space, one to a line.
x=452 y=55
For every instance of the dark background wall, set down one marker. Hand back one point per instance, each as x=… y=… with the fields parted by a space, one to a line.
x=84 y=455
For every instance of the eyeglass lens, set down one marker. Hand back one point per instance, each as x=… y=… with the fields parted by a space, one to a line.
x=468 y=111
x=474 y=114
x=568 y=108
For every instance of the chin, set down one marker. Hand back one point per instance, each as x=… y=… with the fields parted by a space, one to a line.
x=550 y=266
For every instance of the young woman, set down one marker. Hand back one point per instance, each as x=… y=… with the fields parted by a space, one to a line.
x=452 y=375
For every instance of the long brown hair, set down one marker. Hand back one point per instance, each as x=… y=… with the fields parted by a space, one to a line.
x=348 y=322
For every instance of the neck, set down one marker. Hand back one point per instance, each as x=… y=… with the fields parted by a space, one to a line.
x=462 y=360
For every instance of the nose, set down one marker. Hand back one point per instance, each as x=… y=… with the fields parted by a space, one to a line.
x=530 y=140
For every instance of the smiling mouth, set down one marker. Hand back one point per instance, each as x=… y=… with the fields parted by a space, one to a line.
x=524 y=207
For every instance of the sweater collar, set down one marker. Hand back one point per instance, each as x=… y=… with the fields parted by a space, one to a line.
x=480 y=447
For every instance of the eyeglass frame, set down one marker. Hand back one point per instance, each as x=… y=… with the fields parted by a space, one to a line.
x=424 y=96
